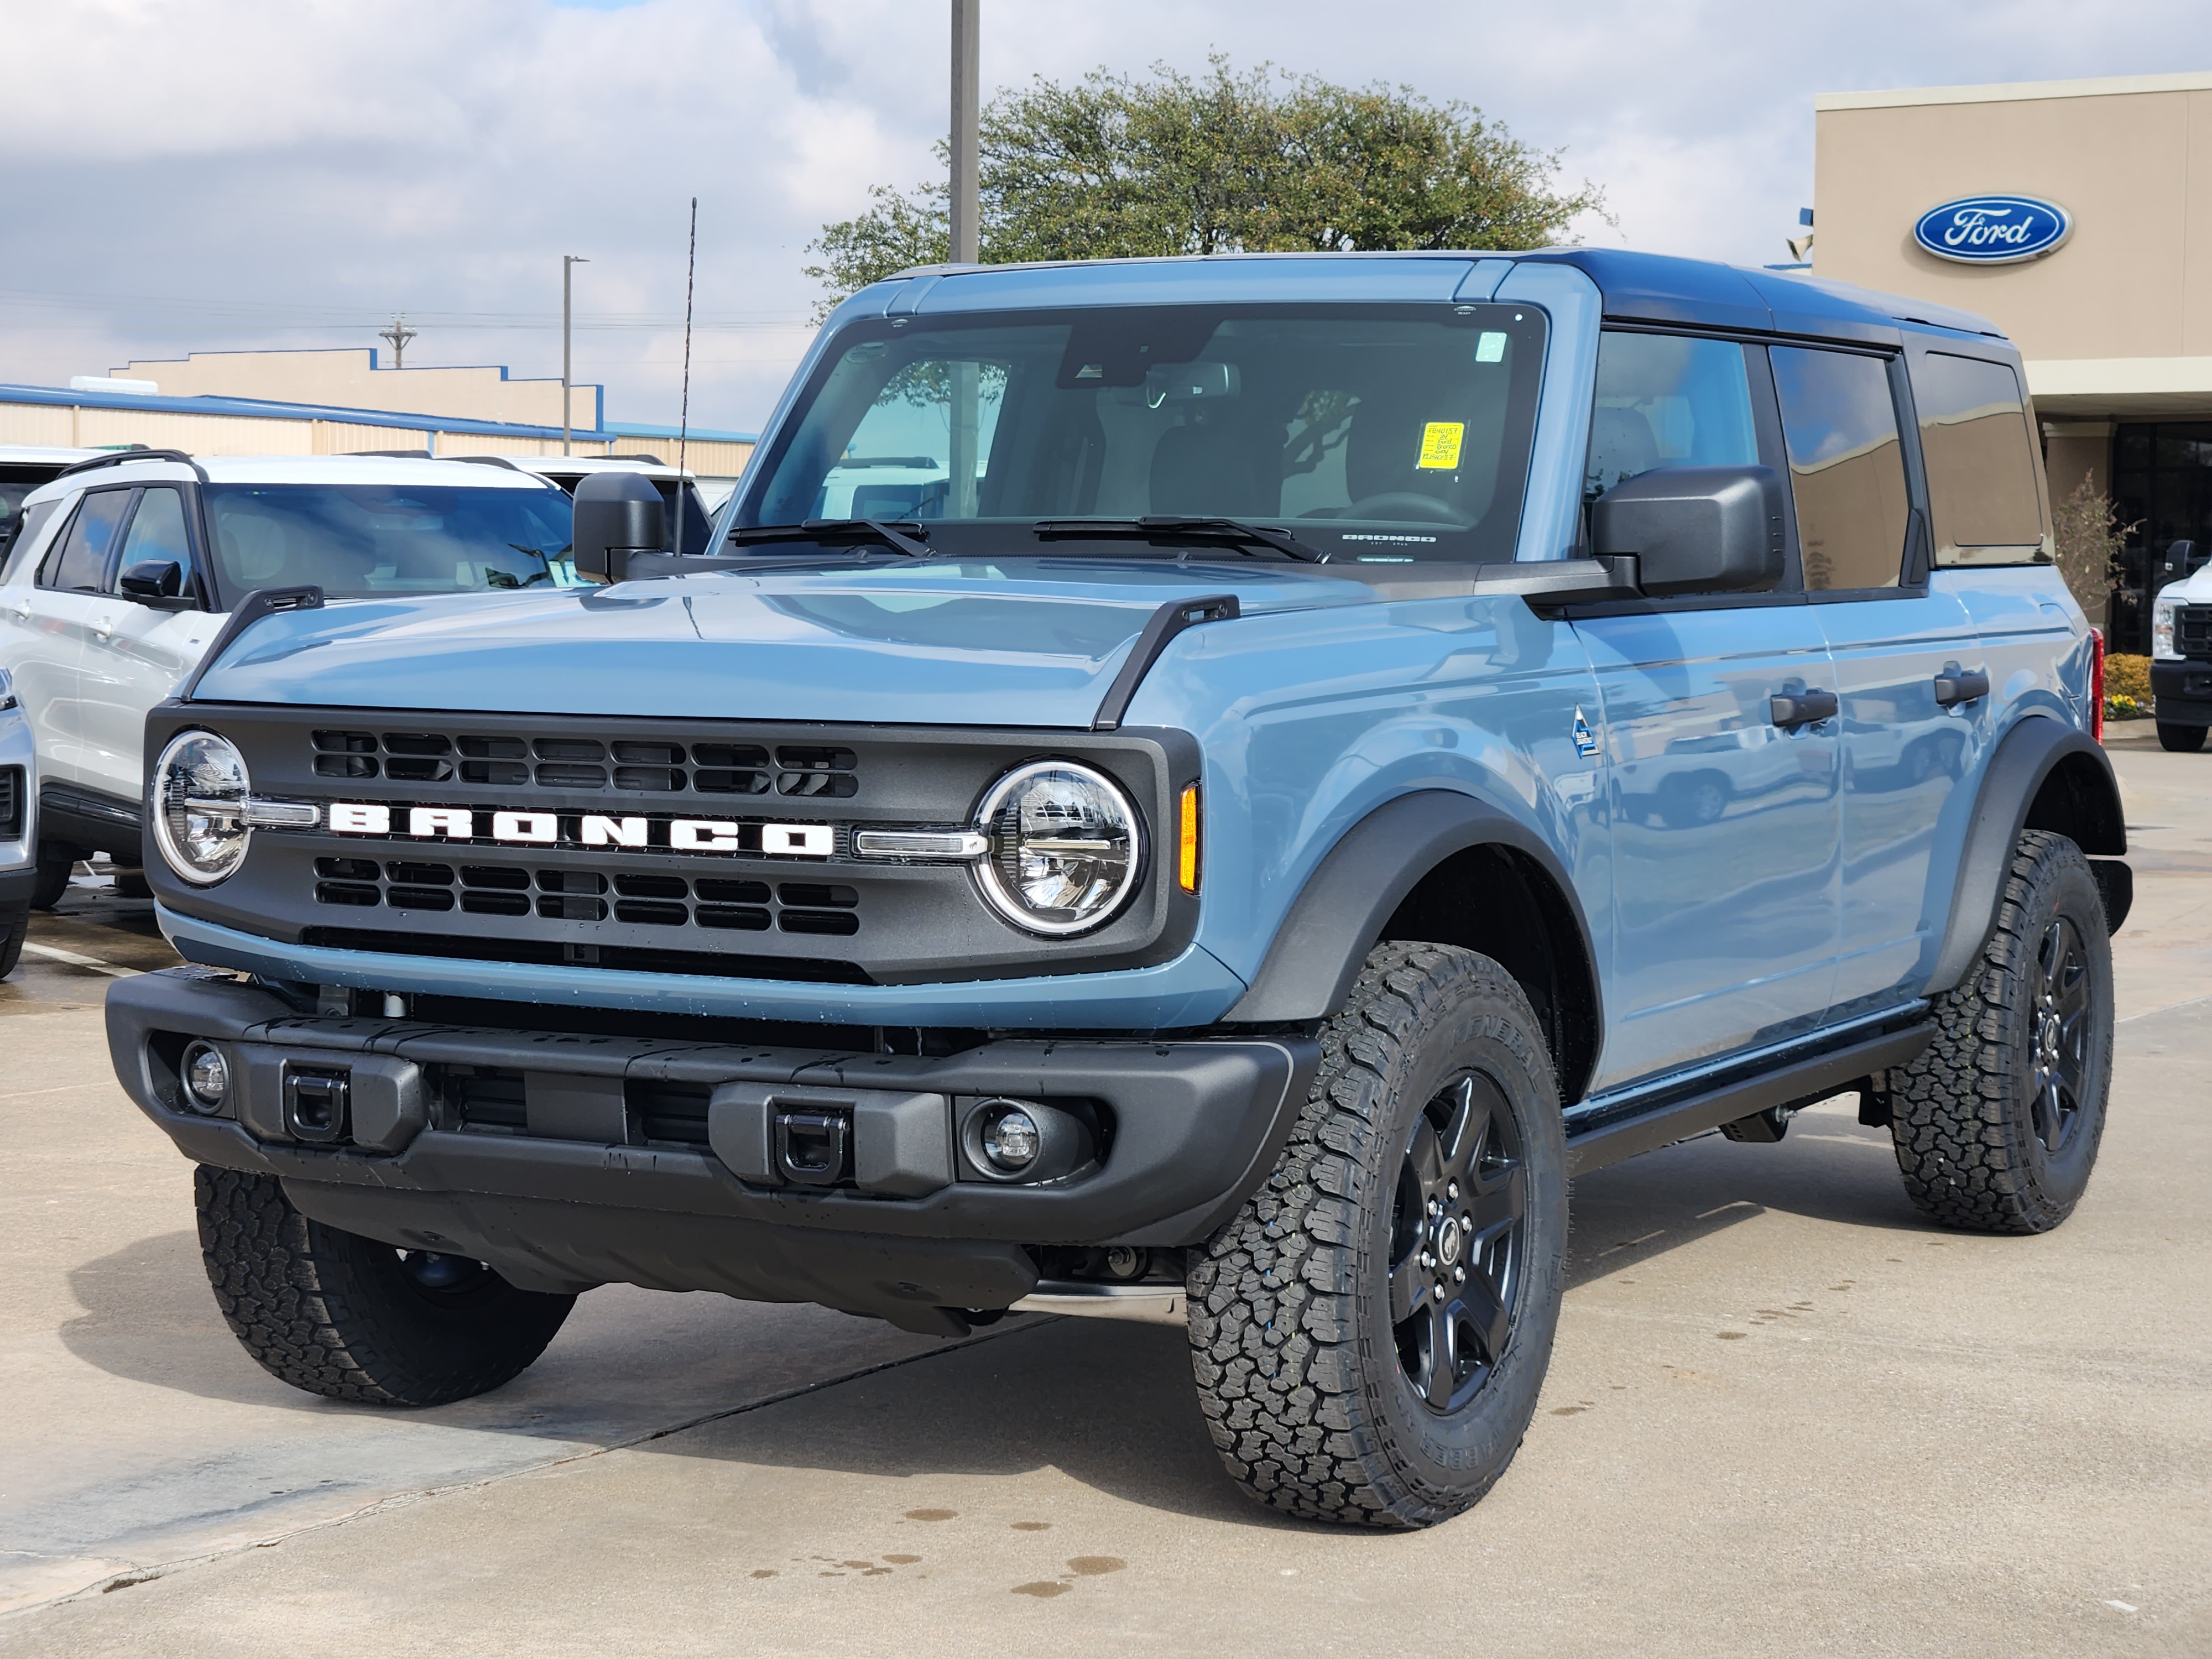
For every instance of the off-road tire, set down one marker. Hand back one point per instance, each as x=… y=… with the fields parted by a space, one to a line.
x=2181 y=739
x=1298 y=1375
x=14 y=928
x=340 y=1316
x=1963 y=1117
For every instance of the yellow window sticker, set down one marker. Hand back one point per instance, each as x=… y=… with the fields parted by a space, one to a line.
x=1440 y=442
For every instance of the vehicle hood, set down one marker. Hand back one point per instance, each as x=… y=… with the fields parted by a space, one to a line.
x=1031 y=642
x=2196 y=588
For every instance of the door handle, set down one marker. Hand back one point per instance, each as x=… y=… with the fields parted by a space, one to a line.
x=1802 y=708
x=1958 y=686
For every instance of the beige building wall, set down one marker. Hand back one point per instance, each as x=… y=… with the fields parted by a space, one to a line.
x=2117 y=321
x=350 y=379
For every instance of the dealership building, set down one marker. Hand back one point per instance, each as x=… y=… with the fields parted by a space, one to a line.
x=2111 y=306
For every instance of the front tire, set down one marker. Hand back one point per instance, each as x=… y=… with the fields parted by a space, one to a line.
x=2181 y=739
x=348 y=1318
x=1997 y=1123
x=1371 y=1331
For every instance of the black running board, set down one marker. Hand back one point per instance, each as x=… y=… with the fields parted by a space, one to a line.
x=1628 y=1131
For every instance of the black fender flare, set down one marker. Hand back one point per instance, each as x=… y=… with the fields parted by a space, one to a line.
x=1358 y=885
x=2025 y=759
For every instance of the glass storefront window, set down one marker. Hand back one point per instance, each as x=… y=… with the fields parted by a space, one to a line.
x=2162 y=485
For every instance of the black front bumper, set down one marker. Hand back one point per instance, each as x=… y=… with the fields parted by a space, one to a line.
x=2181 y=692
x=15 y=888
x=589 y=1179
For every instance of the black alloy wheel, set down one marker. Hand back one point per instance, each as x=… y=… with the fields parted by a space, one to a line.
x=2062 y=1031
x=1997 y=1122
x=1457 y=1237
x=1369 y=1333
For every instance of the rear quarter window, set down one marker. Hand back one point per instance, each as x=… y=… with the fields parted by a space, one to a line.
x=1975 y=438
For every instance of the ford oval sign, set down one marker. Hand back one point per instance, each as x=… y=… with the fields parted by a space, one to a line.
x=1993 y=230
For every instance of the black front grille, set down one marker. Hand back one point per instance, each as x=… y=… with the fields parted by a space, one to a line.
x=2192 y=630
x=642 y=959
x=11 y=803
x=642 y=766
x=829 y=909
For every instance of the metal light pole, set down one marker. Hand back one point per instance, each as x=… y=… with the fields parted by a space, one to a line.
x=569 y=263
x=967 y=247
x=967 y=58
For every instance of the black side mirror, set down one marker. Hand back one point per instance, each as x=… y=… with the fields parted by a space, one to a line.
x=617 y=514
x=1695 y=529
x=151 y=581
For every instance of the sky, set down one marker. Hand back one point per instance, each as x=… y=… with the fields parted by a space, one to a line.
x=185 y=175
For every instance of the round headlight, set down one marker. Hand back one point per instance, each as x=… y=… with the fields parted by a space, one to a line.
x=1066 y=847
x=200 y=788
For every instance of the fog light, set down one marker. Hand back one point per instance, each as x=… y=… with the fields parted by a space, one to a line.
x=1011 y=1140
x=206 y=1077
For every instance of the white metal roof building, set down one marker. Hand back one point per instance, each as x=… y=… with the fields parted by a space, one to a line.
x=79 y=418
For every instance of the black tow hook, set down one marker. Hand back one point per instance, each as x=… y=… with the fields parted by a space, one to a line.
x=814 y=1149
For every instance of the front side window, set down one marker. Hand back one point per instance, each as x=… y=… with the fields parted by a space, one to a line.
x=353 y=540
x=80 y=563
x=1846 y=466
x=157 y=532
x=1667 y=400
x=1388 y=433
x=1981 y=470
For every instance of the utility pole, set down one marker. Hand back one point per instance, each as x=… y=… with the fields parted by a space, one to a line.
x=967 y=248
x=399 y=334
x=568 y=264
x=967 y=105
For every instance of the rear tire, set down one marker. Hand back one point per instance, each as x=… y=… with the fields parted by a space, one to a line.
x=348 y=1318
x=14 y=928
x=1997 y=1123
x=56 y=862
x=1371 y=1331
x=2181 y=739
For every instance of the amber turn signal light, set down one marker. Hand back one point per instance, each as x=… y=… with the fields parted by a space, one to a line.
x=1187 y=841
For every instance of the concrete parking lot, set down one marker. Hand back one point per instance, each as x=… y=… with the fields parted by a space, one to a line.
x=1785 y=1416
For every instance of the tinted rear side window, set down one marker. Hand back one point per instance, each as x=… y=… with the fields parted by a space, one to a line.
x=1981 y=471
x=1662 y=400
x=1846 y=466
x=81 y=562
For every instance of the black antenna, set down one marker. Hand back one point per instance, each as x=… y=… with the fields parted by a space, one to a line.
x=684 y=430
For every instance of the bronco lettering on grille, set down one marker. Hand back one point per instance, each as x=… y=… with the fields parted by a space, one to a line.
x=653 y=834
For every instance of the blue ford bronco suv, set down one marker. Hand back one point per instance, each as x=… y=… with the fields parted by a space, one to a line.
x=1208 y=785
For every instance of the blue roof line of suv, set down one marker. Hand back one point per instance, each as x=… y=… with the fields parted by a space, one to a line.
x=1651 y=288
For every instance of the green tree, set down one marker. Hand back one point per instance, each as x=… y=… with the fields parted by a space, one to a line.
x=1261 y=162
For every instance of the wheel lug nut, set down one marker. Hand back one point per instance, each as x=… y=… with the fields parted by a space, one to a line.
x=1427 y=1260
x=1434 y=1207
x=1459 y=1275
x=1451 y=1189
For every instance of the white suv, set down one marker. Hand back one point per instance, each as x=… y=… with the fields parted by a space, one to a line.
x=18 y=867
x=127 y=566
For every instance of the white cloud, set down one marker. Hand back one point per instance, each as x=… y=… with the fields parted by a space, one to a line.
x=267 y=173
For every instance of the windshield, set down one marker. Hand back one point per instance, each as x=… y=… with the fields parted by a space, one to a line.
x=360 y=539
x=1378 y=433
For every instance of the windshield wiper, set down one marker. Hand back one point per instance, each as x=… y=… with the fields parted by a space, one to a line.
x=1211 y=528
x=838 y=530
